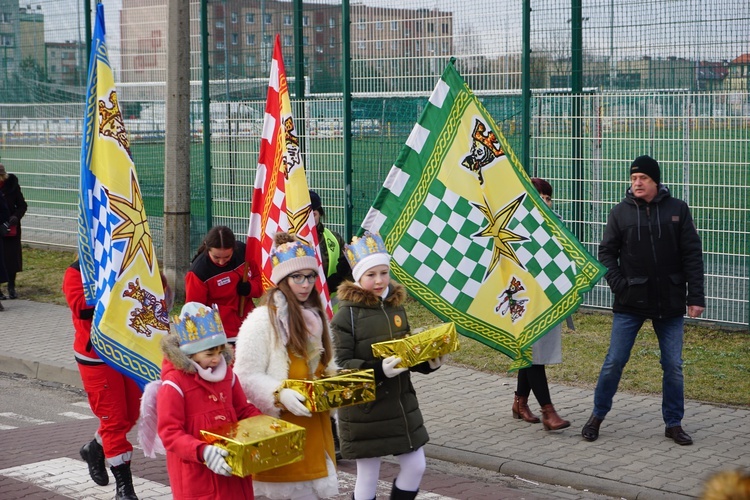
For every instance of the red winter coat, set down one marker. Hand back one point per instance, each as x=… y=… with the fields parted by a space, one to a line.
x=182 y=414
x=210 y=284
x=82 y=313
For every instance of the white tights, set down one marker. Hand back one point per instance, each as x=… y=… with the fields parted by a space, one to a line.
x=411 y=469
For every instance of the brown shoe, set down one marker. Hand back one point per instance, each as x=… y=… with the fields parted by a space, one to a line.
x=551 y=420
x=678 y=435
x=521 y=409
x=590 y=430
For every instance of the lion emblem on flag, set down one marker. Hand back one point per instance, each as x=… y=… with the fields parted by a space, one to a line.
x=153 y=314
x=111 y=123
x=292 y=158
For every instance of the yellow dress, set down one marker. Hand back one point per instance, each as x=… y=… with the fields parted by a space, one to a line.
x=318 y=437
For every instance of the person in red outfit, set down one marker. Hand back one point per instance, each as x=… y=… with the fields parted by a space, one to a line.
x=199 y=391
x=215 y=277
x=113 y=397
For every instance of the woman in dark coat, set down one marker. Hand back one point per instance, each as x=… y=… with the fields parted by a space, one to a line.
x=4 y=216
x=11 y=247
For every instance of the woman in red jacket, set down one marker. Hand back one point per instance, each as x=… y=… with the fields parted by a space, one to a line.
x=215 y=277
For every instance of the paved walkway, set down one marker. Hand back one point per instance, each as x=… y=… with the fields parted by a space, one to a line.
x=469 y=420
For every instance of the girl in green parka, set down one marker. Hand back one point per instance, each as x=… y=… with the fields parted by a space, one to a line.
x=371 y=310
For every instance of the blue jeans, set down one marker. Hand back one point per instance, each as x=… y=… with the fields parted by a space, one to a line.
x=625 y=328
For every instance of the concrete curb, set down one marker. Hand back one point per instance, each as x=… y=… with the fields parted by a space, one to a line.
x=40 y=370
x=548 y=475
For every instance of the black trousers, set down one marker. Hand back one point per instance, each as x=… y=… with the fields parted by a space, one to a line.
x=534 y=378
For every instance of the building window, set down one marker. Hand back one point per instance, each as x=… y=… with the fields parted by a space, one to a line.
x=250 y=18
x=267 y=18
x=332 y=41
x=445 y=28
x=219 y=45
x=250 y=60
x=235 y=60
x=361 y=45
x=220 y=68
x=394 y=45
x=361 y=23
x=234 y=17
x=267 y=40
x=219 y=23
x=332 y=62
x=379 y=25
x=287 y=19
x=394 y=25
x=306 y=61
x=287 y=40
x=235 y=38
x=305 y=20
x=250 y=39
x=430 y=28
x=379 y=45
x=418 y=46
x=318 y=49
x=331 y=22
x=305 y=41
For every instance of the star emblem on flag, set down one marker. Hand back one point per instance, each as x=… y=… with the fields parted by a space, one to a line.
x=497 y=229
x=133 y=227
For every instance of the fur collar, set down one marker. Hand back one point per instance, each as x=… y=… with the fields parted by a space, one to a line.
x=10 y=184
x=354 y=293
x=170 y=346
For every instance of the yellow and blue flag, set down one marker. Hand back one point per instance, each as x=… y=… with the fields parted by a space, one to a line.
x=470 y=237
x=121 y=277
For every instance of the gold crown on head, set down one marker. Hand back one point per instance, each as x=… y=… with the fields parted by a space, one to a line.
x=199 y=328
x=366 y=252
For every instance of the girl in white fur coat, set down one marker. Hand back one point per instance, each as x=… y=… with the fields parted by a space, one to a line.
x=288 y=338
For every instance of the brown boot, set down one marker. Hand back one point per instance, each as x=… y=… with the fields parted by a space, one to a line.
x=551 y=420
x=521 y=409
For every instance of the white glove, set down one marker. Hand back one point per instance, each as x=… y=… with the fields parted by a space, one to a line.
x=292 y=401
x=435 y=363
x=214 y=458
x=389 y=366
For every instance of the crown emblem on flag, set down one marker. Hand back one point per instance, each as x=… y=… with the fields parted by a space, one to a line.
x=366 y=252
x=199 y=328
x=489 y=140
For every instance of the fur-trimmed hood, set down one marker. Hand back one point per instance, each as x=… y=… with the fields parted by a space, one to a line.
x=170 y=346
x=352 y=292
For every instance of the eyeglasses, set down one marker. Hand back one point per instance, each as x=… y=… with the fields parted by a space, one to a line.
x=301 y=278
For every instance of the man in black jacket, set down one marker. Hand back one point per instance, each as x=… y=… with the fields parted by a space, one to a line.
x=654 y=263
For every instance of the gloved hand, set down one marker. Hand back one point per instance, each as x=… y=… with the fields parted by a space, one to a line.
x=435 y=363
x=292 y=401
x=243 y=288
x=214 y=458
x=13 y=221
x=389 y=366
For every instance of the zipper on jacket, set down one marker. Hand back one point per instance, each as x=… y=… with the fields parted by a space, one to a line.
x=398 y=379
x=656 y=264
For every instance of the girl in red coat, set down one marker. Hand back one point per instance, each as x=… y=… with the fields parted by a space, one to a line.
x=199 y=391
x=215 y=277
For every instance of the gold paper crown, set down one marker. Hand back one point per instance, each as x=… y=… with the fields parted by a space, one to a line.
x=199 y=328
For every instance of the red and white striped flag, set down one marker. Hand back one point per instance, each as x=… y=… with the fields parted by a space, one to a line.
x=281 y=199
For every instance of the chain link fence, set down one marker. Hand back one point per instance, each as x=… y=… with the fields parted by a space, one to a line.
x=669 y=78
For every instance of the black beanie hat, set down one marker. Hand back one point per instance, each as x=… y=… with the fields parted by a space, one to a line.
x=315 y=203
x=646 y=165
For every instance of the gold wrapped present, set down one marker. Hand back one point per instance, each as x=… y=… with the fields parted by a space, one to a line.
x=346 y=388
x=258 y=443
x=418 y=348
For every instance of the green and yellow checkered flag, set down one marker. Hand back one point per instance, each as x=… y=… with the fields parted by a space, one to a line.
x=470 y=237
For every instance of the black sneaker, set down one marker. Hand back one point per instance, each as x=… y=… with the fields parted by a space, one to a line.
x=93 y=454
x=2 y=296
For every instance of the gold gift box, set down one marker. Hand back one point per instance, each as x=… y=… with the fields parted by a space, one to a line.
x=346 y=388
x=258 y=443
x=418 y=348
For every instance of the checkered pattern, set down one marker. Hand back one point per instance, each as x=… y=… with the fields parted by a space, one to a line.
x=438 y=251
x=542 y=255
x=268 y=210
x=433 y=231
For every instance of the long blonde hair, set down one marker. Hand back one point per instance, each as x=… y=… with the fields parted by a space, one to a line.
x=298 y=331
